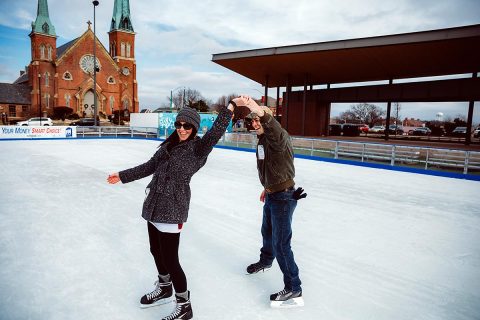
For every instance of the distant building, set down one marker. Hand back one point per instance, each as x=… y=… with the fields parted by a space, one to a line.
x=63 y=76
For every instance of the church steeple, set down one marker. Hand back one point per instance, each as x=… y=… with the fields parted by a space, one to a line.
x=43 y=24
x=121 y=16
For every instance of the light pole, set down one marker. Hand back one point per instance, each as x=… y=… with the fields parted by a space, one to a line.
x=171 y=96
x=261 y=94
x=95 y=4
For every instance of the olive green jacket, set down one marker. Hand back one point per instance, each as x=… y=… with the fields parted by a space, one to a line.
x=274 y=156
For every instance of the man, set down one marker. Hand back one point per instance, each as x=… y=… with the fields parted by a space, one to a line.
x=276 y=172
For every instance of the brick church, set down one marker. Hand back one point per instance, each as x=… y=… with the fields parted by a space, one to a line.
x=64 y=76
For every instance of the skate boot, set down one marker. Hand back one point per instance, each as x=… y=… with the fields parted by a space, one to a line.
x=183 y=310
x=287 y=299
x=160 y=295
x=257 y=267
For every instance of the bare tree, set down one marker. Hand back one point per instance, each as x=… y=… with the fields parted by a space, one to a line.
x=363 y=113
x=187 y=97
x=223 y=101
x=397 y=107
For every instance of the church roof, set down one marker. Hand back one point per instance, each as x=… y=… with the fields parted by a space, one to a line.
x=65 y=47
x=42 y=23
x=15 y=93
x=64 y=50
x=121 y=16
x=22 y=79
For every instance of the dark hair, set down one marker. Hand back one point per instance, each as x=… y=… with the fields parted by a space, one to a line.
x=174 y=139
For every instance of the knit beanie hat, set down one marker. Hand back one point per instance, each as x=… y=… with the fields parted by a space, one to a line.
x=189 y=115
x=265 y=109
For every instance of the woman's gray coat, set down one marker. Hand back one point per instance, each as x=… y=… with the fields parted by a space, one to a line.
x=168 y=198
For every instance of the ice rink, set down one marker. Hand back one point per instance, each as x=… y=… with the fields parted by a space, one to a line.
x=370 y=243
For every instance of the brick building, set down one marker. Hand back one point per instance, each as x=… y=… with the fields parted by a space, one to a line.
x=64 y=76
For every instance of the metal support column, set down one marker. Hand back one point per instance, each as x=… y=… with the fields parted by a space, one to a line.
x=471 y=104
x=266 y=90
x=286 y=103
x=277 y=103
x=304 y=104
x=389 y=109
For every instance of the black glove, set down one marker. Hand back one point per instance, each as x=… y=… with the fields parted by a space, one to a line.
x=298 y=194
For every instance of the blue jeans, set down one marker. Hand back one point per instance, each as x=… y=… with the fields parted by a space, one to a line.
x=277 y=235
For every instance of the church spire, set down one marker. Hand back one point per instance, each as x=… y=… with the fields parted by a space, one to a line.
x=121 y=16
x=43 y=24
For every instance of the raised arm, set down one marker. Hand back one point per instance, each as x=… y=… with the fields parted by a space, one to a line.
x=272 y=129
x=205 y=145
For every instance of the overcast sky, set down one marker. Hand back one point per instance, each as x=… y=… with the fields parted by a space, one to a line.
x=175 y=40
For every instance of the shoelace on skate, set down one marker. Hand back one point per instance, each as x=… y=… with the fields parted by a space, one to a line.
x=278 y=294
x=175 y=314
x=155 y=293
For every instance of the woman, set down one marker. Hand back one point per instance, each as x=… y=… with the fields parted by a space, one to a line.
x=166 y=205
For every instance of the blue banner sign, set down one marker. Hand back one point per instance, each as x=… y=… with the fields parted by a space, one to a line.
x=167 y=120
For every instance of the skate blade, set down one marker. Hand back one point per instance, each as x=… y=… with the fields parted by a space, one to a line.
x=261 y=271
x=290 y=303
x=157 y=303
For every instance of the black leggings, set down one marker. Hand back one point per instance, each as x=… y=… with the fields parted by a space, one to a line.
x=164 y=248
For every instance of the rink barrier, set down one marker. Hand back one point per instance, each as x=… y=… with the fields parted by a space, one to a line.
x=451 y=163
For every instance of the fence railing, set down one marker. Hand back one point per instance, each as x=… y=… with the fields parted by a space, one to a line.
x=458 y=161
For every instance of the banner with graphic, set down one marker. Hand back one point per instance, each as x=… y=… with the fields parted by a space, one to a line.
x=27 y=132
x=166 y=122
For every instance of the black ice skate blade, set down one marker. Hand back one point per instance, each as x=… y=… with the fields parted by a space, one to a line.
x=261 y=271
x=287 y=304
x=157 y=303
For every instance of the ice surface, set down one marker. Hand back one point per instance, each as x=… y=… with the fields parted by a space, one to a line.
x=370 y=243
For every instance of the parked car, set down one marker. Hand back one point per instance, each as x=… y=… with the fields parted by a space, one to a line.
x=459 y=132
x=363 y=128
x=420 y=131
x=394 y=129
x=351 y=130
x=377 y=129
x=36 y=122
x=86 y=122
x=476 y=133
x=335 y=130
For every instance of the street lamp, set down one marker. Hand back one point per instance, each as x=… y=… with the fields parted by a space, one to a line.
x=261 y=94
x=95 y=4
x=171 y=95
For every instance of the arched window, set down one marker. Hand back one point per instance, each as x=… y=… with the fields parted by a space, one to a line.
x=125 y=104
x=49 y=52
x=122 y=49
x=46 y=79
x=47 y=99
x=67 y=100
x=128 y=50
x=112 y=103
x=42 y=51
x=45 y=28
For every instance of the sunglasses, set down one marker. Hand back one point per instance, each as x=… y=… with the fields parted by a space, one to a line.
x=248 y=121
x=186 y=125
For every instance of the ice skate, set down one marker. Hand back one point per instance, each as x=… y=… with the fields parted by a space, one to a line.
x=258 y=267
x=286 y=299
x=160 y=295
x=183 y=310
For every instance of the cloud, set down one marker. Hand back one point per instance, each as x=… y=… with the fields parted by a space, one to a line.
x=175 y=40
